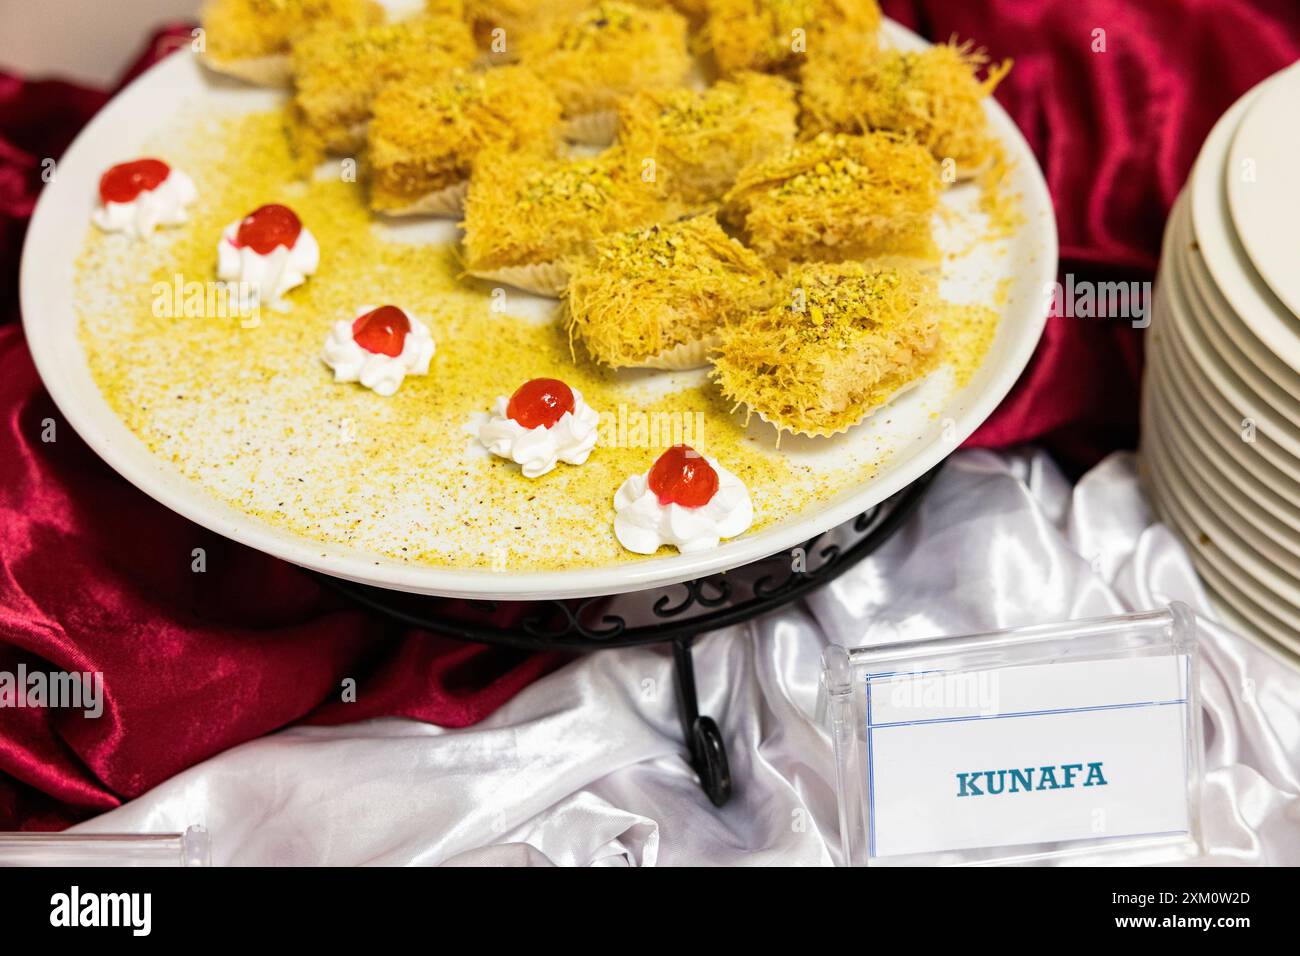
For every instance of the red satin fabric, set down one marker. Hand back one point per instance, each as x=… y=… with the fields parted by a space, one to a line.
x=1116 y=134
x=94 y=576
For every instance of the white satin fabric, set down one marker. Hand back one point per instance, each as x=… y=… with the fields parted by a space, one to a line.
x=587 y=765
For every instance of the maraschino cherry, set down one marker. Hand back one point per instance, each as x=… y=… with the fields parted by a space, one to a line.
x=125 y=181
x=267 y=227
x=382 y=330
x=540 y=403
x=681 y=476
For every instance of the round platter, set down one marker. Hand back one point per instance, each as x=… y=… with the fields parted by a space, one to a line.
x=918 y=431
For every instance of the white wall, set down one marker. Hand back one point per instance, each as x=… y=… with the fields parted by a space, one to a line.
x=87 y=40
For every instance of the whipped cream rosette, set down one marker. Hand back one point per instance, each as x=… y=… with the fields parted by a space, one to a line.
x=685 y=500
x=379 y=348
x=543 y=423
x=269 y=251
x=139 y=196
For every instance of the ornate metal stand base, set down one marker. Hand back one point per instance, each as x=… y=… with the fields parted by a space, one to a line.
x=662 y=614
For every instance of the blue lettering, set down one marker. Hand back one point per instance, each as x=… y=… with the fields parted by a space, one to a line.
x=1094 y=770
x=968 y=788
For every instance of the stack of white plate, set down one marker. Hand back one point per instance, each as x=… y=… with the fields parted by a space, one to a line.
x=1220 y=448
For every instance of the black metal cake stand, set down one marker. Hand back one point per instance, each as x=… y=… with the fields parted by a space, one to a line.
x=676 y=614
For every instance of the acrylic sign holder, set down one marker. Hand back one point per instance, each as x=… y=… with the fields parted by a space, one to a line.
x=845 y=707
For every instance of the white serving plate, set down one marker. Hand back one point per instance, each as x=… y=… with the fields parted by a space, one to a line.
x=1198 y=278
x=1225 y=601
x=1270 y=539
x=1263 y=189
x=1213 y=326
x=1228 y=369
x=1231 y=410
x=919 y=437
x=1220 y=441
x=1211 y=537
x=1248 y=294
x=1181 y=428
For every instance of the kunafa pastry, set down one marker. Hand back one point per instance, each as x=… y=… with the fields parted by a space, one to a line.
x=425 y=134
x=845 y=339
x=936 y=95
x=700 y=139
x=656 y=297
x=604 y=53
x=526 y=217
x=776 y=36
x=338 y=71
x=838 y=197
x=499 y=25
x=250 y=39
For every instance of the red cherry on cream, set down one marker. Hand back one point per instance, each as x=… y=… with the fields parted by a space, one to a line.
x=682 y=476
x=267 y=227
x=125 y=181
x=540 y=402
x=382 y=330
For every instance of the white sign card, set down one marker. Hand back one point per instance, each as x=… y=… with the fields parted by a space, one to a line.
x=1031 y=754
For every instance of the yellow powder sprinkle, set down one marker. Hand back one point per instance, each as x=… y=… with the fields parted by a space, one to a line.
x=1003 y=208
x=965 y=334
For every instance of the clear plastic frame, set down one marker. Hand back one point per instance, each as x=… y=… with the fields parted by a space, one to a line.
x=1083 y=670
x=191 y=848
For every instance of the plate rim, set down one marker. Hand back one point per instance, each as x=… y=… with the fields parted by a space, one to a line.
x=1226 y=357
x=1169 y=445
x=1171 y=496
x=1190 y=435
x=1262 y=255
x=1242 y=287
x=144 y=470
x=1250 y=345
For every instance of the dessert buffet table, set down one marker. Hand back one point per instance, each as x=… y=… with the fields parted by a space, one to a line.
x=586 y=765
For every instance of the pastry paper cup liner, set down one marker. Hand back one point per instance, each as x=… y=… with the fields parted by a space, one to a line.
x=683 y=356
x=541 y=278
x=447 y=202
x=592 y=129
x=967 y=173
x=273 y=70
x=348 y=139
x=823 y=433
